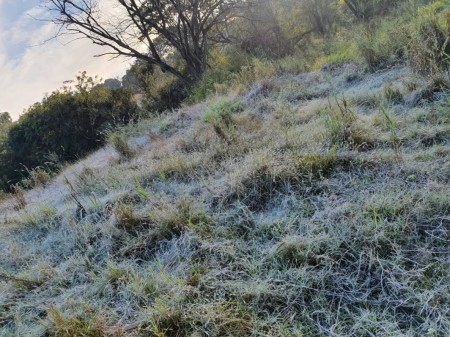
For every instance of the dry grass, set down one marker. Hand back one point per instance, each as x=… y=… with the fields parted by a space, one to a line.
x=299 y=217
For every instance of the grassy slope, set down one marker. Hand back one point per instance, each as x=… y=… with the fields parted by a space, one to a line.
x=281 y=212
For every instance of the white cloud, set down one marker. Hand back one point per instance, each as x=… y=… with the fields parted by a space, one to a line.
x=29 y=69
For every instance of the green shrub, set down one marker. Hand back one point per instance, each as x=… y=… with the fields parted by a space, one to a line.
x=221 y=111
x=67 y=123
x=339 y=119
x=224 y=64
x=38 y=176
x=220 y=116
x=338 y=49
x=381 y=43
x=429 y=49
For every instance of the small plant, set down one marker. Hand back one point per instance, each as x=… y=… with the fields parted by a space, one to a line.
x=116 y=274
x=390 y=124
x=139 y=189
x=19 y=197
x=80 y=209
x=194 y=274
x=368 y=99
x=95 y=202
x=164 y=125
x=339 y=121
x=317 y=164
x=220 y=116
x=86 y=177
x=166 y=321
x=297 y=251
x=392 y=94
x=36 y=177
x=121 y=146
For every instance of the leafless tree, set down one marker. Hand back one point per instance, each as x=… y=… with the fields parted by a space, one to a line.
x=150 y=30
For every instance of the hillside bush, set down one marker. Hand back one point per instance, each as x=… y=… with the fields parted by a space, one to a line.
x=429 y=49
x=224 y=65
x=68 y=123
x=381 y=43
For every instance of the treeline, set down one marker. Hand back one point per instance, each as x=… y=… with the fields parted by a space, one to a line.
x=193 y=51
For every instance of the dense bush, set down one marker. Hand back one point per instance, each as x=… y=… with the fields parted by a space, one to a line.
x=422 y=39
x=429 y=48
x=67 y=124
x=161 y=91
x=225 y=63
x=381 y=43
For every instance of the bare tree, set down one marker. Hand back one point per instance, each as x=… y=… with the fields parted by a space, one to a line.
x=150 y=30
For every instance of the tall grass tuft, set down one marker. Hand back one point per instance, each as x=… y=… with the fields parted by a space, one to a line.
x=120 y=144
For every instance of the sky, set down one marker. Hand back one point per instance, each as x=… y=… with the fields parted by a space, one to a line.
x=31 y=67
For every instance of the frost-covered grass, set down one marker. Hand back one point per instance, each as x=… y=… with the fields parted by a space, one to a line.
x=302 y=210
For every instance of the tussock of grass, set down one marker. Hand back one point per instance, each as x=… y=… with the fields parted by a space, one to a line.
x=298 y=251
x=121 y=146
x=36 y=177
x=126 y=215
x=392 y=94
x=88 y=324
x=171 y=218
x=368 y=99
x=220 y=116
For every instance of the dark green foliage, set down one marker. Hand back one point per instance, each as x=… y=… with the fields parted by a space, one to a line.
x=67 y=123
x=138 y=77
x=112 y=83
x=161 y=91
x=5 y=124
x=169 y=96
